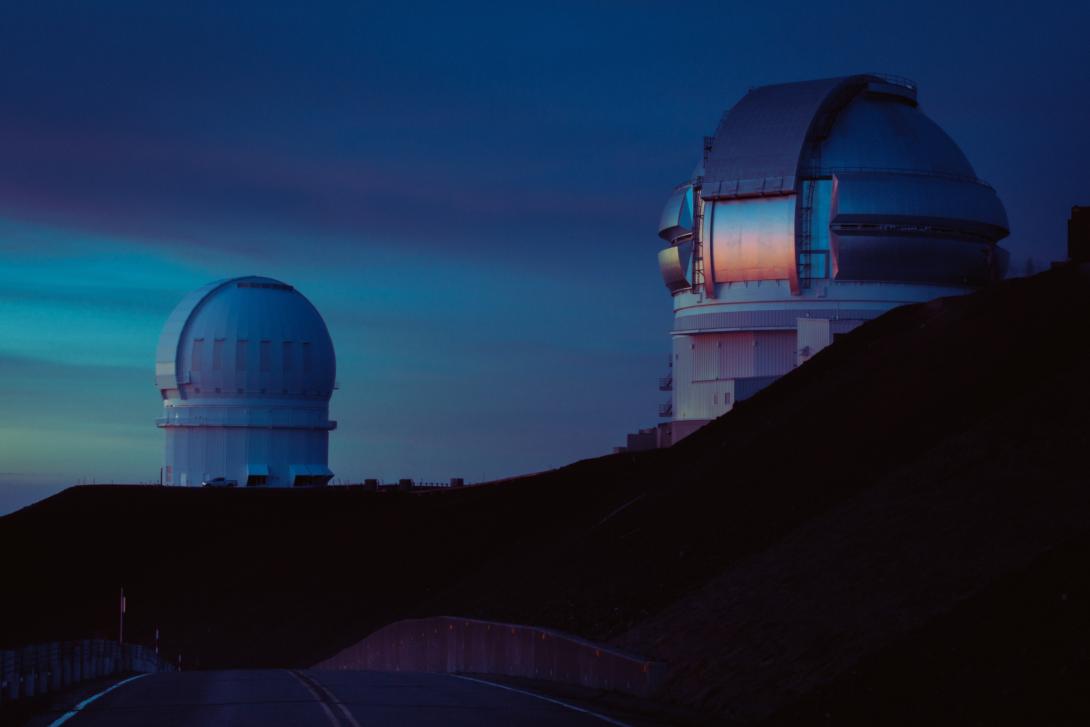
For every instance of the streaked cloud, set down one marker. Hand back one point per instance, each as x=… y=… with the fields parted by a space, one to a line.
x=467 y=192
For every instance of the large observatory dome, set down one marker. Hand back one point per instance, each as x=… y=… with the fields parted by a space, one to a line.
x=246 y=369
x=816 y=206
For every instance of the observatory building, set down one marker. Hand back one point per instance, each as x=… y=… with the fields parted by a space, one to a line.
x=246 y=369
x=817 y=206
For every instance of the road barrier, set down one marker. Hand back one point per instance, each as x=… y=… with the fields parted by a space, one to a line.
x=43 y=668
x=461 y=645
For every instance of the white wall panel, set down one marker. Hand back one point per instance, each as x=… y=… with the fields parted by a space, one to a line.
x=706 y=365
x=773 y=353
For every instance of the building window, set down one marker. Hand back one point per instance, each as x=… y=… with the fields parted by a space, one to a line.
x=288 y=363
x=306 y=357
x=266 y=356
x=240 y=356
x=217 y=354
x=198 y=354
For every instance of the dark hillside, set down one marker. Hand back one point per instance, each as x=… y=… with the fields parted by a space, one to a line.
x=881 y=563
x=271 y=577
x=1018 y=652
x=875 y=404
x=879 y=491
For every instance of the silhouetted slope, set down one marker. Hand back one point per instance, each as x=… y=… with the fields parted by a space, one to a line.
x=1017 y=652
x=891 y=480
x=875 y=403
x=780 y=622
x=267 y=577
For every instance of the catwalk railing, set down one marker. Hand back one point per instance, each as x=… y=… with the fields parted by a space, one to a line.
x=42 y=668
x=460 y=645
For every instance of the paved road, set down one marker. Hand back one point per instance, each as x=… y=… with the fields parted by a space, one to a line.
x=274 y=698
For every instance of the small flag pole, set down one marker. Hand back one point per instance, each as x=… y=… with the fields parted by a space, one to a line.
x=121 y=618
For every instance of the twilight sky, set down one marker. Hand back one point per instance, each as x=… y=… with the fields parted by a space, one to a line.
x=468 y=193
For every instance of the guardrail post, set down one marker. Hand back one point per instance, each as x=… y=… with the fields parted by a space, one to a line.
x=66 y=665
x=55 y=676
x=7 y=676
x=26 y=671
x=96 y=659
x=77 y=662
x=41 y=656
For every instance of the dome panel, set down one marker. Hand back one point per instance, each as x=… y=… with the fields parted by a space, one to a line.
x=246 y=336
x=893 y=258
x=959 y=208
x=876 y=133
x=677 y=216
x=759 y=139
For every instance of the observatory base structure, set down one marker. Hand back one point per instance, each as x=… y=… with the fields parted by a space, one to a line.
x=817 y=205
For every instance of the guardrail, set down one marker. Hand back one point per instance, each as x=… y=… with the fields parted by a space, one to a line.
x=447 y=644
x=43 y=668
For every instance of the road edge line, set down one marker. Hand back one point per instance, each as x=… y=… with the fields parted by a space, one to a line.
x=79 y=707
x=542 y=697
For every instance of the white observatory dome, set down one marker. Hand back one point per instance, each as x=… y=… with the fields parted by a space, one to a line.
x=246 y=369
x=816 y=206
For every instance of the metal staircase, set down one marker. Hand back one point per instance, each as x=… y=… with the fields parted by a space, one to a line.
x=803 y=235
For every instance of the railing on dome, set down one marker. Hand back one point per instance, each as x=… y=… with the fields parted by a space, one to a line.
x=267 y=286
x=896 y=80
x=827 y=172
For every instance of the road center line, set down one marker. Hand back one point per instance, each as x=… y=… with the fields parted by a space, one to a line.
x=72 y=712
x=544 y=699
x=325 y=698
x=333 y=698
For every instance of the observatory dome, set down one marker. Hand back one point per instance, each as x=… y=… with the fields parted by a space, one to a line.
x=246 y=369
x=817 y=205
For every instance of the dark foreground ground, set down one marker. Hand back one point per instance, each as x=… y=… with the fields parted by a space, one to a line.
x=897 y=529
